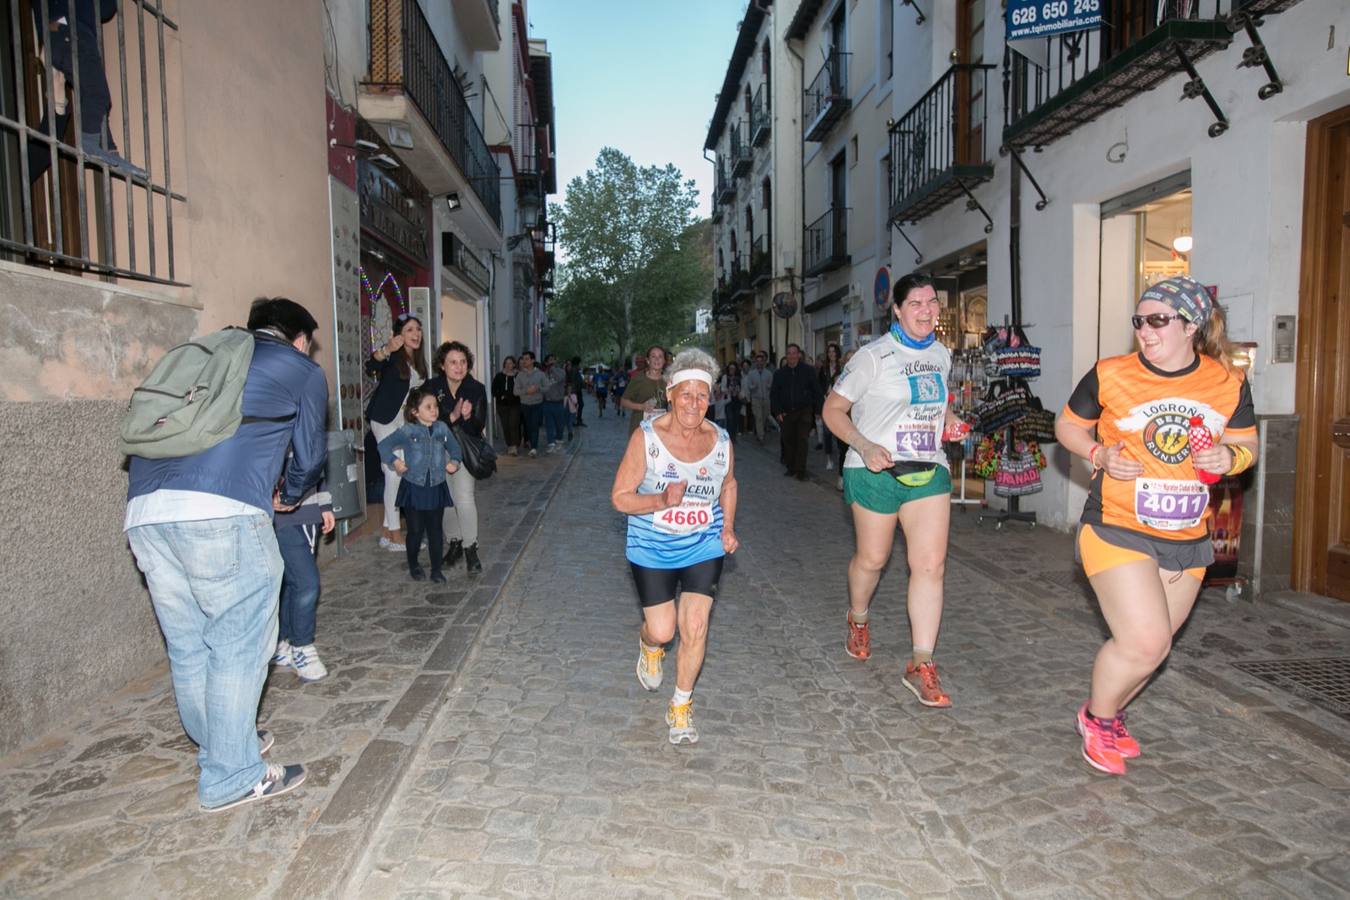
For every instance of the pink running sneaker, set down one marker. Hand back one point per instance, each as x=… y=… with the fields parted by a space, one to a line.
x=923 y=682
x=1099 y=743
x=859 y=643
x=1125 y=742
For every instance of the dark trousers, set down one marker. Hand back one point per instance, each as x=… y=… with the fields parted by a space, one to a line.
x=425 y=523
x=534 y=417
x=510 y=416
x=299 y=583
x=581 y=404
x=797 y=426
x=733 y=418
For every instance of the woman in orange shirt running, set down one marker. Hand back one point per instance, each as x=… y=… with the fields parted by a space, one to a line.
x=1144 y=540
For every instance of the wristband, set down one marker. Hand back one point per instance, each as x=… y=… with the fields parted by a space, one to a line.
x=1242 y=459
x=1092 y=457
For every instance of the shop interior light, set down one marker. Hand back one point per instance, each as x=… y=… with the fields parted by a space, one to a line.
x=1182 y=243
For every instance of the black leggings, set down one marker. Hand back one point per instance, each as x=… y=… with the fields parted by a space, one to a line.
x=425 y=523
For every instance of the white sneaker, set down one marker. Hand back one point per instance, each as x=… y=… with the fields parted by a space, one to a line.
x=283 y=655
x=649 y=666
x=533 y=453
x=839 y=485
x=681 y=721
x=391 y=546
x=829 y=464
x=307 y=663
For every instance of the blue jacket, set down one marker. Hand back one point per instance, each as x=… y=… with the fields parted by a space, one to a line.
x=281 y=382
x=425 y=451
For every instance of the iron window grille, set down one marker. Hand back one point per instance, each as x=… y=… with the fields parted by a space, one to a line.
x=826 y=242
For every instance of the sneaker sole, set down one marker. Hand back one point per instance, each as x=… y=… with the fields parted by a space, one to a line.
x=931 y=704
x=678 y=739
x=310 y=680
x=863 y=656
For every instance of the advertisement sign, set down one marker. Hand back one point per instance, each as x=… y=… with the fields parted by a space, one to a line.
x=881 y=288
x=1043 y=18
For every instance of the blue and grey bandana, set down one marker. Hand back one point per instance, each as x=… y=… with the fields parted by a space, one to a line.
x=1187 y=296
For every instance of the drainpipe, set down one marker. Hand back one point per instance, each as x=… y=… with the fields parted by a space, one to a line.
x=801 y=228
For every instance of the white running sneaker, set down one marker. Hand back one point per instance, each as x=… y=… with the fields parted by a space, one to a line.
x=829 y=464
x=283 y=655
x=533 y=453
x=307 y=663
x=649 y=666
x=681 y=721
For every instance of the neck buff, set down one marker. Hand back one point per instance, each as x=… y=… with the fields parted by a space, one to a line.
x=906 y=341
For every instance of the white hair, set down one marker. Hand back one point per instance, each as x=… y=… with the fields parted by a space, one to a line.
x=694 y=358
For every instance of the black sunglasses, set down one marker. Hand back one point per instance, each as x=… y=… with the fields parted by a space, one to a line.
x=1154 y=320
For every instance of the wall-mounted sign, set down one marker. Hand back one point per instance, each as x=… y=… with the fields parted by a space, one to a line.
x=1043 y=18
x=881 y=287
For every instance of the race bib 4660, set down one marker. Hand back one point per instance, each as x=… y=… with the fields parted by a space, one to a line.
x=687 y=518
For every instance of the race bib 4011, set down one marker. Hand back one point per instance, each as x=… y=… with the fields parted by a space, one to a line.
x=1170 y=504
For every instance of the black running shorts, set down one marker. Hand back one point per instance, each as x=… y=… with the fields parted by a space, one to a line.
x=657 y=586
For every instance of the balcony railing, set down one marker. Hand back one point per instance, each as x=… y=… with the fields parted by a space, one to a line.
x=759 y=117
x=826 y=99
x=1088 y=73
x=716 y=211
x=726 y=188
x=723 y=306
x=826 y=242
x=740 y=283
x=404 y=54
x=97 y=206
x=741 y=158
x=761 y=268
x=939 y=149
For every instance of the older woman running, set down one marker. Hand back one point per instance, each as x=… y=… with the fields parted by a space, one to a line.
x=676 y=485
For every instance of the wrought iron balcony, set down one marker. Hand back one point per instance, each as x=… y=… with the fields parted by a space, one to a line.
x=759 y=117
x=826 y=242
x=723 y=306
x=826 y=99
x=740 y=151
x=939 y=149
x=726 y=188
x=740 y=282
x=406 y=60
x=761 y=262
x=716 y=211
x=1088 y=73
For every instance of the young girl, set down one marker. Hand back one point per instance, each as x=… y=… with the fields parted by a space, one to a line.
x=430 y=452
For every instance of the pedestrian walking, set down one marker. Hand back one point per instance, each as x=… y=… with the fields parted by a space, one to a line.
x=601 y=386
x=676 y=483
x=200 y=528
x=830 y=368
x=298 y=541
x=508 y=404
x=645 y=395
x=1144 y=536
x=794 y=400
x=430 y=453
x=577 y=384
x=400 y=365
x=730 y=388
x=463 y=403
x=758 y=390
x=529 y=387
x=890 y=406
x=555 y=393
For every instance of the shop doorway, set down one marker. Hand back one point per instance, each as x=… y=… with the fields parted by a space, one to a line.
x=1145 y=238
x=1322 y=483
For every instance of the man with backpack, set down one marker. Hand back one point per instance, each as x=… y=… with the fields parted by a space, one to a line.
x=199 y=511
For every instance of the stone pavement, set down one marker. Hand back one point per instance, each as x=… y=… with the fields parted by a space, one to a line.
x=106 y=807
x=547 y=771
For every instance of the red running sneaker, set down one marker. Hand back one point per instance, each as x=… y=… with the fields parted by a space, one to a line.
x=1125 y=742
x=1099 y=743
x=923 y=682
x=859 y=643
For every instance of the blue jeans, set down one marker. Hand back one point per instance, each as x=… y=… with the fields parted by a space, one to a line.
x=555 y=419
x=214 y=586
x=299 y=583
x=534 y=417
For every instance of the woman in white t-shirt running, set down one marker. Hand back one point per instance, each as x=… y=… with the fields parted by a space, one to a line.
x=890 y=406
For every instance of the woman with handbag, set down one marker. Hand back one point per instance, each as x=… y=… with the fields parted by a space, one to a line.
x=463 y=402
x=400 y=365
x=1144 y=538
x=890 y=407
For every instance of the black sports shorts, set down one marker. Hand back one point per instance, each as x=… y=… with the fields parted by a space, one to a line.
x=657 y=586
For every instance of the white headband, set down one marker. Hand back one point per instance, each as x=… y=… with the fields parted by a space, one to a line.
x=690 y=375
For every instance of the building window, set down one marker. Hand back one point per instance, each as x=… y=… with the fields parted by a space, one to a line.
x=888 y=37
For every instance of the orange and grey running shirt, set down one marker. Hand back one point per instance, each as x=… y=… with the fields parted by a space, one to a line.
x=1127 y=399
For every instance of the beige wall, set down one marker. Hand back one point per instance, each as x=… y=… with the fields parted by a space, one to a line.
x=76 y=623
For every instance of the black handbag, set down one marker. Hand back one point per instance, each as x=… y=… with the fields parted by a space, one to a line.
x=479 y=457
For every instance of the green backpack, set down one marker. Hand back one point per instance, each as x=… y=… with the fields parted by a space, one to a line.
x=192 y=399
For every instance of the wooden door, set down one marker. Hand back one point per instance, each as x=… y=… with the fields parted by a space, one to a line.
x=1322 y=526
x=968 y=96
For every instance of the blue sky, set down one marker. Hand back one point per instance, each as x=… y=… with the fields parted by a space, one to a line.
x=639 y=75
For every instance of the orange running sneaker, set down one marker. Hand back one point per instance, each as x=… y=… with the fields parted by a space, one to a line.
x=1125 y=742
x=859 y=643
x=1099 y=743
x=923 y=682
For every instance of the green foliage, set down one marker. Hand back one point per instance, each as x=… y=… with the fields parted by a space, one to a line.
x=635 y=263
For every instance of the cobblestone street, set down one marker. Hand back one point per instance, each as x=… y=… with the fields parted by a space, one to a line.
x=490 y=739
x=548 y=773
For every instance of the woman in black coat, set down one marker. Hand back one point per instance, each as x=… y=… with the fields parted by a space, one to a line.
x=400 y=365
x=463 y=402
x=508 y=404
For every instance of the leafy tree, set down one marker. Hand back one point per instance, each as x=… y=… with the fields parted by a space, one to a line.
x=634 y=262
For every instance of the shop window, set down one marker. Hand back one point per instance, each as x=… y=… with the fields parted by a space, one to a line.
x=1145 y=238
